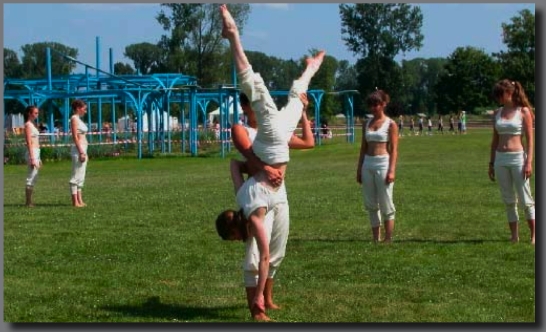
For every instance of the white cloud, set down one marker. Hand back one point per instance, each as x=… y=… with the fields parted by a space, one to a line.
x=281 y=6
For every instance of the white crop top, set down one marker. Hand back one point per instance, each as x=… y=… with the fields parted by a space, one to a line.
x=511 y=126
x=379 y=135
x=82 y=127
x=33 y=131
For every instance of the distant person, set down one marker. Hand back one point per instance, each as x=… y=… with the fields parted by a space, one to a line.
x=463 y=122
x=412 y=126
x=511 y=161
x=421 y=125
x=78 y=152
x=452 y=123
x=32 y=154
x=460 y=123
x=429 y=126
x=377 y=165
x=440 y=124
x=400 y=125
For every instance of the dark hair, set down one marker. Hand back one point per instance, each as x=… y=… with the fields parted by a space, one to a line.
x=29 y=109
x=77 y=104
x=243 y=99
x=519 y=98
x=228 y=220
x=377 y=97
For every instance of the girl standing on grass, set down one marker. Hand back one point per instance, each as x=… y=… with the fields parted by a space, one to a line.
x=32 y=155
x=78 y=152
x=377 y=164
x=511 y=161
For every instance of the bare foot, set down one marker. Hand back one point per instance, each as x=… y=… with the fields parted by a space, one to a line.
x=229 y=28
x=316 y=61
x=272 y=306
x=533 y=241
x=259 y=314
x=30 y=205
x=514 y=240
x=387 y=240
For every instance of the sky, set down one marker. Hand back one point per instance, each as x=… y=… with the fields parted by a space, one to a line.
x=286 y=31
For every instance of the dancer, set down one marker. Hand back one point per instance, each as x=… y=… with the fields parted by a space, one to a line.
x=275 y=128
x=78 y=152
x=32 y=154
x=510 y=161
x=377 y=165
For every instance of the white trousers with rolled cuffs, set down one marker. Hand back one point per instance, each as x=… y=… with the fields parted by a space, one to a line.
x=32 y=174
x=251 y=196
x=513 y=186
x=77 y=178
x=377 y=194
x=275 y=128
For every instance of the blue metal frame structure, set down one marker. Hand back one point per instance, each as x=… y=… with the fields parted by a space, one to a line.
x=146 y=94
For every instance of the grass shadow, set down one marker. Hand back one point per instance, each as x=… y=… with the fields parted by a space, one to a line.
x=153 y=308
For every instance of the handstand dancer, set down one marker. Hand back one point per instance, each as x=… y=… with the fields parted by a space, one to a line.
x=275 y=128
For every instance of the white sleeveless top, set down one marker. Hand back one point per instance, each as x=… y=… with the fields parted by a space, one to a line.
x=82 y=127
x=512 y=126
x=379 y=135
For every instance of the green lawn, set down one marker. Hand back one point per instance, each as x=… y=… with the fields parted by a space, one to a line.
x=146 y=250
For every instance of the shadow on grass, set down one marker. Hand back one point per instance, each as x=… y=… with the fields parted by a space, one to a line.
x=154 y=308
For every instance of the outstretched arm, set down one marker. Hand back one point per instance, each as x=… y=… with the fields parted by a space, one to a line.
x=237 y=169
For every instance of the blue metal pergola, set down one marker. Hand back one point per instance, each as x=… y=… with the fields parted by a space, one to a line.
x=150 y=95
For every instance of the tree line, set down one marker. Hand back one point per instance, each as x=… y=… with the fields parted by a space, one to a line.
x=375 y=33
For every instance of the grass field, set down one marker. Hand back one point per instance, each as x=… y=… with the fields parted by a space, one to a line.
x=146 y=250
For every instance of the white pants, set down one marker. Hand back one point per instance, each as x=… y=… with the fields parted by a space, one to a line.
x=77 y=178
x=513 y=186
x=275 y=128
x=32 y=174
x=277 y=228
x=376 y=193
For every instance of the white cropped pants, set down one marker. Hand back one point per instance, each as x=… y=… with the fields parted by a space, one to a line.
x=77 y=178
x=513 y=186
x=275 y=128
x=376 y=193
x=32 y=174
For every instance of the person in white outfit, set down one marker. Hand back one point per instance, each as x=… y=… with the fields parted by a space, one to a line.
x=78 y=152
x=377 y=165
x=511 y=162
x=32 y=154
x=275 y=128
x=276 y=220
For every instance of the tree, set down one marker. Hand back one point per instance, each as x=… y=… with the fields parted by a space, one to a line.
x=195 y=45
x=419 y=79
x=378 y=33
x=12 y=65
x=145 y=56
x=518 y=62
x=121 y=68
x=34 y=64
x=466 y=83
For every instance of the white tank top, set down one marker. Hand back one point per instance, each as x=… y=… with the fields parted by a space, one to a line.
x=511 y=126
x=379 y=135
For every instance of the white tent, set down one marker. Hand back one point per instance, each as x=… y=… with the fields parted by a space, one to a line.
x=216 y=112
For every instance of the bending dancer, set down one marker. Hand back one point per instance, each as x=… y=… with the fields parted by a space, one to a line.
x=32 y=155
x=274 y=129
x=510 y=161
x=276 y=220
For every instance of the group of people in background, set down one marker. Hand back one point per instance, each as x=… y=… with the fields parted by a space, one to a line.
x=461 y=124
x=78 y=152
